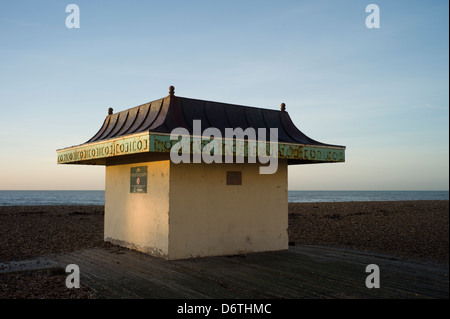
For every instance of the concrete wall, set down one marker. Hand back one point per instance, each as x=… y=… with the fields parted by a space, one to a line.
x=138 y=221
x=209 y=217
x=190 y=211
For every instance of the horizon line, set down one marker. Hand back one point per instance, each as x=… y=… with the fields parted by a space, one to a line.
x=292 y=190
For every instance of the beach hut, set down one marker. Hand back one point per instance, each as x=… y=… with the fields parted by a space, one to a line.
x=191 y=178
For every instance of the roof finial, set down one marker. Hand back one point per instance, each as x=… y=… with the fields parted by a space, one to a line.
x=110 y=111
x=171 y=90
x=283 y=107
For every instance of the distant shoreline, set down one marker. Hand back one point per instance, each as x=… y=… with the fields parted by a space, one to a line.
x=331 y=202
x=349 y=202
x=40 y=198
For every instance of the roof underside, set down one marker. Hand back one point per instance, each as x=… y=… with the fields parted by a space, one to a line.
x=166 y=114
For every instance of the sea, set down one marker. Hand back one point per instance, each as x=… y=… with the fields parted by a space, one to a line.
x=45 y=197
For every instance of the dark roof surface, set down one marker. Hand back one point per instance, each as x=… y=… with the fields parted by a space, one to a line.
x=166 y=114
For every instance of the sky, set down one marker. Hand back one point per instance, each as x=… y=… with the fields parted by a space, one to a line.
x=381 y=92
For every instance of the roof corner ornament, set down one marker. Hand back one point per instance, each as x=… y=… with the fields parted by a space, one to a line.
x=283 y=107
x=110 y=111
x=171 y=90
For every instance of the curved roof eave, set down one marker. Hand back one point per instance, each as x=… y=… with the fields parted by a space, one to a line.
x=166 y=114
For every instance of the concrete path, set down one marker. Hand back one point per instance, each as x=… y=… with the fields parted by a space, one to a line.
x=300 y=272
x=26 y=265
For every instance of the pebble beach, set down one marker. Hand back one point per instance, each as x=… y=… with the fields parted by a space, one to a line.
x=414 y=231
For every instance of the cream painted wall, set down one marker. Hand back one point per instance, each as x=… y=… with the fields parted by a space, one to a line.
x=208 y=217
x=138 y=221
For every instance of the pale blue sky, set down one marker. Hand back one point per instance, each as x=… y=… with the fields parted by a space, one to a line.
x=383 y=92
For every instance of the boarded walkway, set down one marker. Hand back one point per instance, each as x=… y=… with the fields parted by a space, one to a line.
x=301 y=272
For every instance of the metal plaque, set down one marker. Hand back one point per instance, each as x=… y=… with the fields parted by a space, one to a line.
x=138 y=179
x=234 y=178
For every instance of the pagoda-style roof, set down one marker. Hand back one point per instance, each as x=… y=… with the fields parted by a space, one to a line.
x=154 y=121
